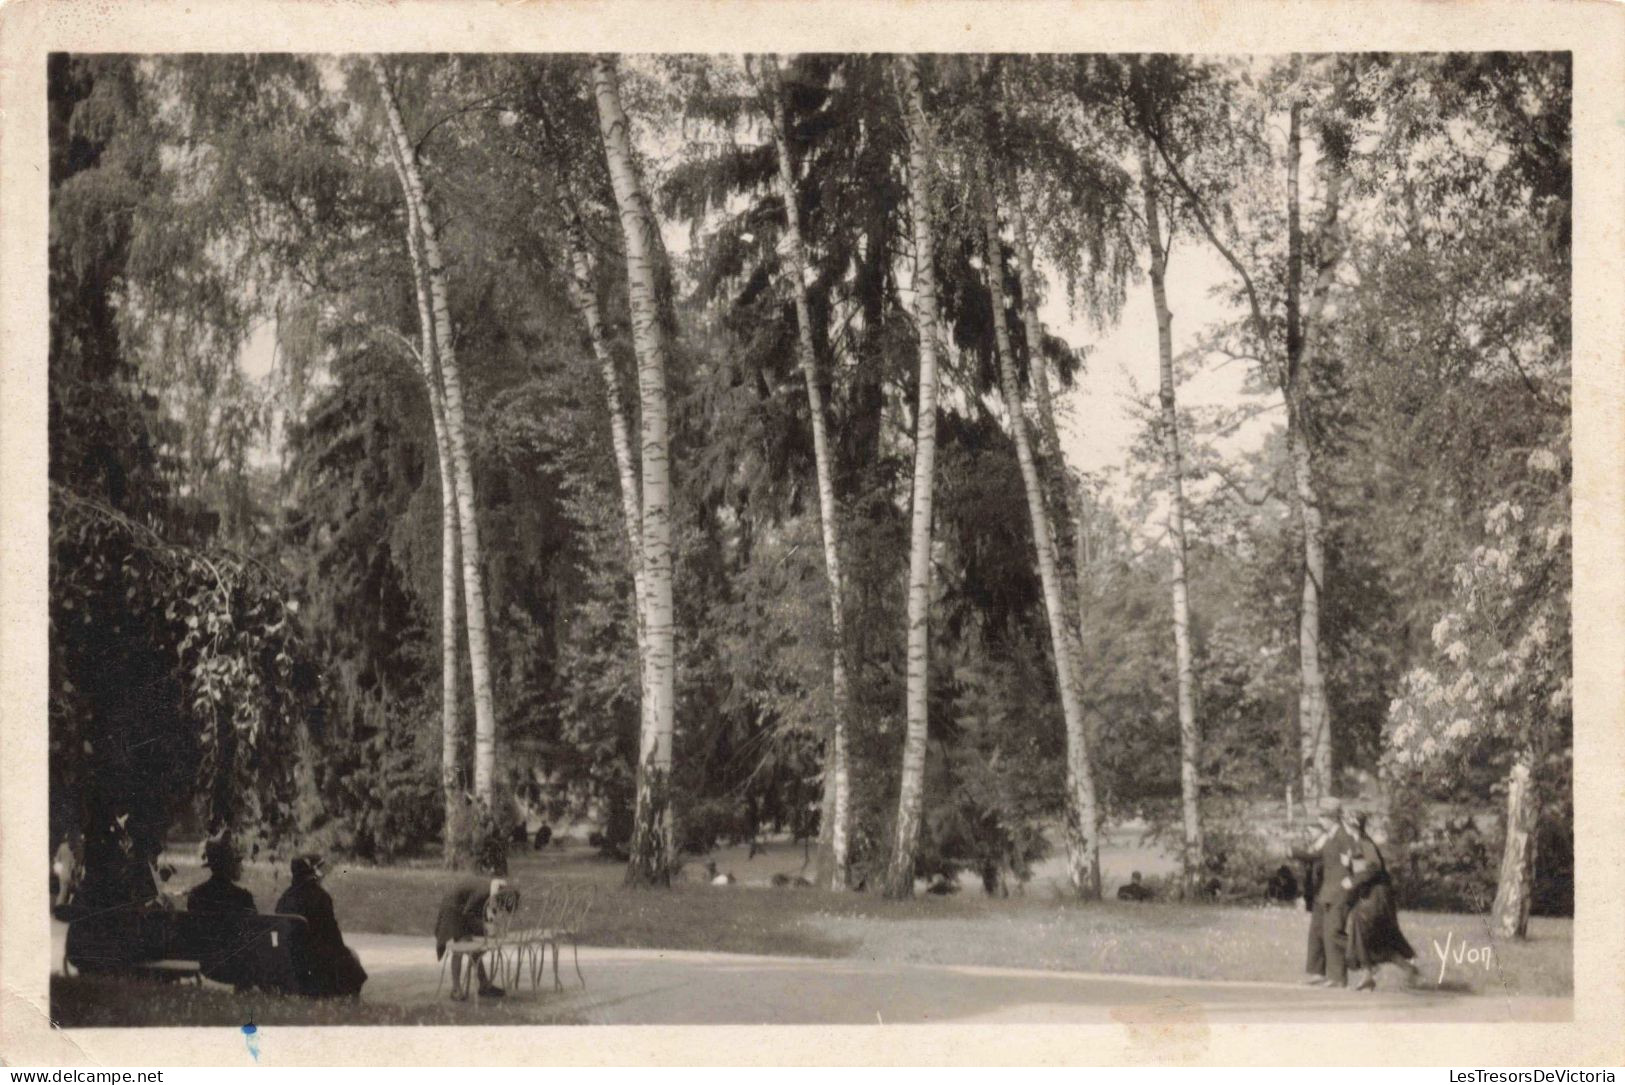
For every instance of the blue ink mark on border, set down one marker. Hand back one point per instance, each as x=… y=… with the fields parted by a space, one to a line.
x=252 y=1040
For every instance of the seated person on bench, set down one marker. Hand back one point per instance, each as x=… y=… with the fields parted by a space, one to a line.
x=326 y=967
x=468 y=912
x=221 y=895
x=220 y=943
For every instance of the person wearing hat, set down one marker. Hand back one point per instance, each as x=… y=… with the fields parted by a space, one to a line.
x=221 y=895
x=1373 y=927
x=1337 y=849
x=1312 y=855
x=324 y=965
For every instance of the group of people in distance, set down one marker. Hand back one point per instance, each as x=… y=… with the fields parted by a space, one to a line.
x=325 y=967
x=1354 y=917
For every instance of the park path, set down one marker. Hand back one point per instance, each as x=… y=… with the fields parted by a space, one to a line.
x=670 y=987
x=679 y=987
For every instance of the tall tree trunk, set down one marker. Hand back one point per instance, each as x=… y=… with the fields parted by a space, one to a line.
x=1189 y=737
x=652 y=845
x=584 y=296
x=1314 y=712
x=911 y=794
x=1509 y=916
x=456 y=433
x=455 y=844
x=1077 y=584
x=1292 y=370
x=832 y=861
x=1082 y=818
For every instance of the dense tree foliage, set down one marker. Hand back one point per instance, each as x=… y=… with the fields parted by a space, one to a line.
x=686 y=573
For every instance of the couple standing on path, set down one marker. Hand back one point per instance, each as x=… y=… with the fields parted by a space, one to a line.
x=1354 y=916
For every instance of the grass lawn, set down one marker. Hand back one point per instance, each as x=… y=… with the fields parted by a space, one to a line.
x=97 y=1002
x=1041 y=930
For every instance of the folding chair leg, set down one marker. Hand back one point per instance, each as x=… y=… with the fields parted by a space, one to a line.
x=557 y=985
x=575 y=954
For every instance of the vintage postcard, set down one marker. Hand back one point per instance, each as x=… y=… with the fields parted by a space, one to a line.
x=1009 y=532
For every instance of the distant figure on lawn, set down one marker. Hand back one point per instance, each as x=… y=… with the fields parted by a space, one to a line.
x=324 y=965
x=472 y=910
x=712 y=876
x=1283 y=884
x=221 y=895
x=1373 y=925
x=1135 y=889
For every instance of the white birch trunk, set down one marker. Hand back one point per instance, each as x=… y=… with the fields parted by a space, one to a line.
x=1082 y=816
x=1049 y=433
x=452 y=783
x=652 y=844
x=831 y=868
x=1189 y=736
x=1515 y=886
x=457 y=439
x=899 y=880
x=1314 y=711
x=585 y=298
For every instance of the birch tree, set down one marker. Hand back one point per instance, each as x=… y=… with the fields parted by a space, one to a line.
x=1190 y=748
x=911 y=792
x=433 y=270
x=1290 y=362
x=584 y=296
x=452 y=779
x=1082 y=818
x=1049 y=431
x=652 y=846
x=833 y=866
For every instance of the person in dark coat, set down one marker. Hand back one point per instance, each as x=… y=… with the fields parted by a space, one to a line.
x=221 y=895
x=1374 y=935
x=116 y=877
x=1134 y=890
x=1332 y=901
x=1283 y=884
x=472 y=910
x=324 y=965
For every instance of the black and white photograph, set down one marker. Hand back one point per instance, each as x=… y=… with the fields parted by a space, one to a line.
x=856 y=538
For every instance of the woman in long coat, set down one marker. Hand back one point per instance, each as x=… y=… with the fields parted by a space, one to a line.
x=1373 y=923
x=325 y=966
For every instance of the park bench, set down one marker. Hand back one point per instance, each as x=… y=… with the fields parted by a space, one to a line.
x=518 y=942
x=245 y=950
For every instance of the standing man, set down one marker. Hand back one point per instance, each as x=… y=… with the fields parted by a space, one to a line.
x=1337 y=853
x=1312 y=855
